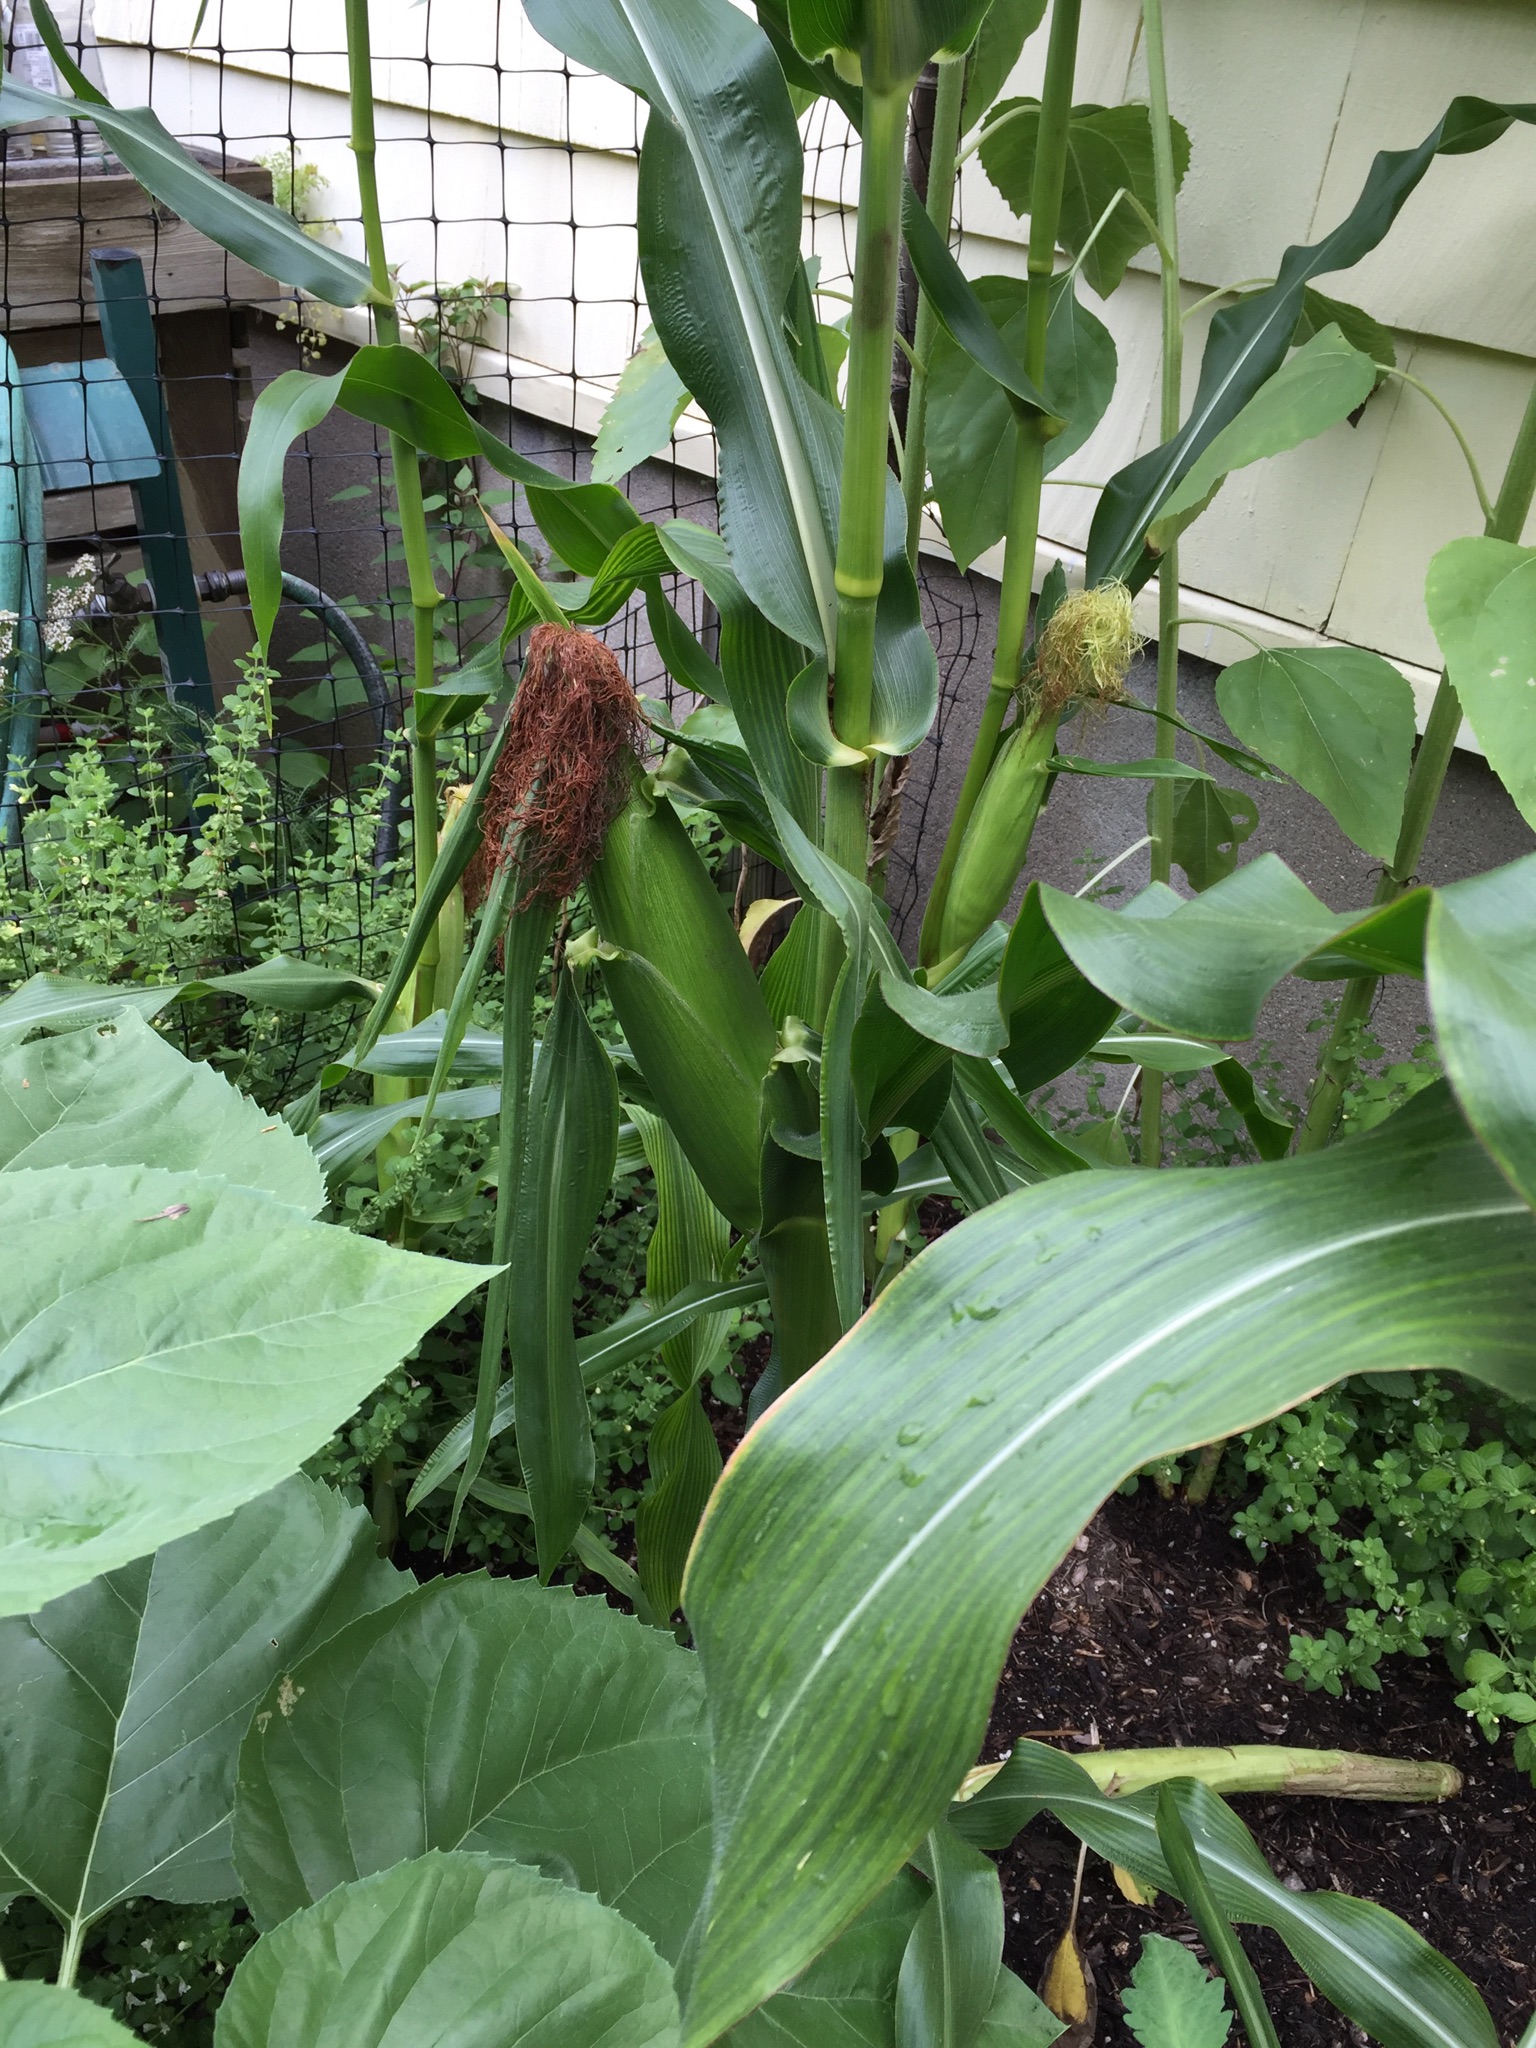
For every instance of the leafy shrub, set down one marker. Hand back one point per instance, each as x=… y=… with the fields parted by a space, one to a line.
x=161 y=1969
x=1419 y=1497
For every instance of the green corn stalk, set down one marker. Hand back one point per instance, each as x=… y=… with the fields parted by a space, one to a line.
x=405 y=473
x=1163 y=792
x=687 y=999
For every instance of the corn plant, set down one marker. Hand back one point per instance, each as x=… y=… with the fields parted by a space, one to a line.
x=934 y=1429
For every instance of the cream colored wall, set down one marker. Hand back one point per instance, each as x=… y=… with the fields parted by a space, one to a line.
x=1286 y=101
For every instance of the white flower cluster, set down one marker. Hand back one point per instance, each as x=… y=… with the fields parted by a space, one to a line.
x=65 y=601
x=8 y=624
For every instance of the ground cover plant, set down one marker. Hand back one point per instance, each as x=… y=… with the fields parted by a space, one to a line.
x=483 y=1809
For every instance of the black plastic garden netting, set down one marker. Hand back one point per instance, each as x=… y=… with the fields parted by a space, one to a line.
x=518 y=275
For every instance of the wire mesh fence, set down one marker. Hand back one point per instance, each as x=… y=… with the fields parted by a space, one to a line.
x=172 y=810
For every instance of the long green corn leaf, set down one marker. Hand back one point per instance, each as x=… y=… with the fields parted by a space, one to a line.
x=1249 y=341
x=262 y=235
x=638 y=1333
x=954 y=1953
x=720 y=198
x=459 y=845
x=1480 y=963
x=573 y=1127
x=689 y=1247
x=522 y=962
x=996 y=1391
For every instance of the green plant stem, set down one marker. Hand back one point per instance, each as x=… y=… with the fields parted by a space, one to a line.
x=405 y=474
x=69 y=1959
x=1216 y=1931
x=1260 y=1767
x=1023 y=530
x=1484 y=505
x=860 y=569
x=1165 y=745
x=949 y=99
x=1337 y=1066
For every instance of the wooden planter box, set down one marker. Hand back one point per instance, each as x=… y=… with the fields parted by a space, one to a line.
x=57 y=209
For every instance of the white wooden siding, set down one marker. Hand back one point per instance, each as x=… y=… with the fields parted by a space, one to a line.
x=495 y=162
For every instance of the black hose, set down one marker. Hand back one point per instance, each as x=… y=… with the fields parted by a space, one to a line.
x=219 y=584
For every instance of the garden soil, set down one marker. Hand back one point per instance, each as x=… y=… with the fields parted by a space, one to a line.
x=1161 y=1630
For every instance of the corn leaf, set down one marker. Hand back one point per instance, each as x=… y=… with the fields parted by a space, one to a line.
x=720 y=181
x=1374 y=1967
x=636 y=1334
x=1248 y=342
x=262 y=235
x=953 y=1956
x=976 y=1434
x=1480 y=964
x=1322 y=384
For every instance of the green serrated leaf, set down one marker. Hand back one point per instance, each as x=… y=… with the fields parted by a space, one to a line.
x=1109 y=149
x=484 y=1714
x=452 y=1948
x=123 y=1704
x=1170 y=2001
x=1340 y=720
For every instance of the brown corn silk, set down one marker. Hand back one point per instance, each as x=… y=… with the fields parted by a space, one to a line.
x=566 y=768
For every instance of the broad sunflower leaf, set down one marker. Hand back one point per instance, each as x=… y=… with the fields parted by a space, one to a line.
x=452 y=1949
x=483 y=1714
x=123 y=1704
x=1340 y=720
x=36 y=2015
x=1202 y=968
x=1109 y=149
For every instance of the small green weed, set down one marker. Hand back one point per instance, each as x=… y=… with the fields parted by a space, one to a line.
x=1419 y=1498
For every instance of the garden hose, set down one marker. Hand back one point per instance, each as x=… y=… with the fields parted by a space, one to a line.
x=219 y=584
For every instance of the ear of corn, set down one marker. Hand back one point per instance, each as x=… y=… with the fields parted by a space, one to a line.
x=996 y=842
x=687 y=999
